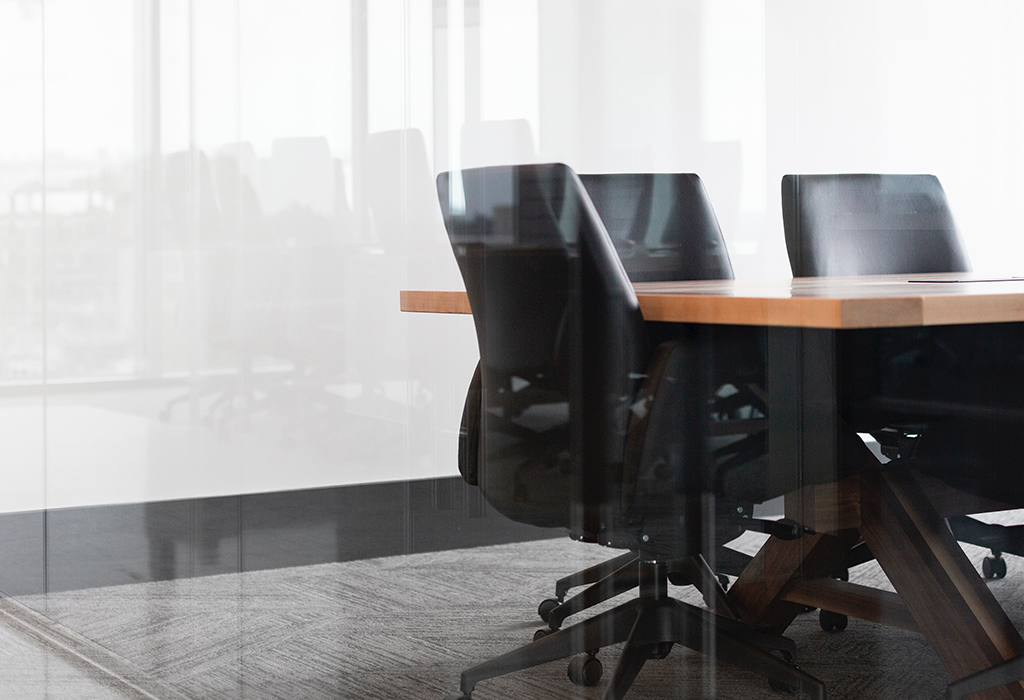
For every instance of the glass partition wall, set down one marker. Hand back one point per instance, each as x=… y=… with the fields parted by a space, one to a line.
x=209 y=396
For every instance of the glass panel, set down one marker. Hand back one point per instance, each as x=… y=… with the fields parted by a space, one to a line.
x=22 y=298
x=235 y=468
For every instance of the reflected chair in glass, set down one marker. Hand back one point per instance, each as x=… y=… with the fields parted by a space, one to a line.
x=241 y=278
x=869 y=224
x=315 y=224
x=588 y=425
x=409 y=241
x=213 y=223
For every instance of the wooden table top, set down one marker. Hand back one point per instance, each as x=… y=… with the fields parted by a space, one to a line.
x=875 y=301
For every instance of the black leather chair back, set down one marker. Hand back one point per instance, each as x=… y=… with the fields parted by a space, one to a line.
x=840 y=225
x=663 y=225
x=562 y=342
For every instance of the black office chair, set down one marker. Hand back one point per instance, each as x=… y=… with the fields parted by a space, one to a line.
x=584 y=426
x=841 y=225
x=664 y=228
x=662 y=225
x=861 y=224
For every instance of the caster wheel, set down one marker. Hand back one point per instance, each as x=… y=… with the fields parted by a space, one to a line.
x=545 y=608
x=832 y=621
x=842 y=575
x=993 y=567
x=457 y=696
x=585 y=670
x=724 y=581
x=541 y=633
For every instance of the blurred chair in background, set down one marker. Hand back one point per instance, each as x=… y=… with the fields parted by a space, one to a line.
x=409 y=244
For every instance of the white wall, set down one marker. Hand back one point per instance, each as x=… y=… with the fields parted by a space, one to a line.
x=203 y=230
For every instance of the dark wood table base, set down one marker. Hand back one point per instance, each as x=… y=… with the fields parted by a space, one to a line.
x=899 y=514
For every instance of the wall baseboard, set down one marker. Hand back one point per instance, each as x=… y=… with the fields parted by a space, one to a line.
x=76 y=548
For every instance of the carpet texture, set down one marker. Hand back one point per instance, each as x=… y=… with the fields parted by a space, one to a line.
x=405 y=626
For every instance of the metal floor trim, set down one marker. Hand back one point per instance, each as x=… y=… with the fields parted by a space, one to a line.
x=112 y=668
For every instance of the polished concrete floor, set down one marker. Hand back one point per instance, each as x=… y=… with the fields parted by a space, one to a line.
x=396 y=627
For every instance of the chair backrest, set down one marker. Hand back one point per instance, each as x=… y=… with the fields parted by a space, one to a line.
x=869 y=225
x=562 y=342
x=663 y=225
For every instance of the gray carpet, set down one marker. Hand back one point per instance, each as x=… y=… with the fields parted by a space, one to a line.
x=404 y=627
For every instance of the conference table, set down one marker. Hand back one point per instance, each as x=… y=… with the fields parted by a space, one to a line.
x=833 y=483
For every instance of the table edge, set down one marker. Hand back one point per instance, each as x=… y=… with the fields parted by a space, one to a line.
x=793 y=312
